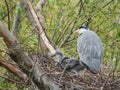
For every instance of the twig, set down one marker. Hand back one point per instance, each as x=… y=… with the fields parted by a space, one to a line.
x=81 y=7
x=5 y=15
x=67 y=37
x=96 y=12
x=64 y=70
x=116 y=64
x=8 y=14
x=74 y=22
x=16 y=23
x=93 y=88
x=117 y=81
x=62 y=34
x=104 y=84
x=65 y=28
x=57 y=22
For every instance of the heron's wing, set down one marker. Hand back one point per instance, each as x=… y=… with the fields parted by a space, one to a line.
x=90 y=50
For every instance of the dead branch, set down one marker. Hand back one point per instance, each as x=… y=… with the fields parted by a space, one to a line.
x=37 y=24
x=40 y=30
x=38 y=10
x=14 y=69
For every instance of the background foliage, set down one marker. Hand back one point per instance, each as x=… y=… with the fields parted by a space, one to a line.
x=61 y=17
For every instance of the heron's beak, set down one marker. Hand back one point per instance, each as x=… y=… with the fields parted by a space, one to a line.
x=77 y=31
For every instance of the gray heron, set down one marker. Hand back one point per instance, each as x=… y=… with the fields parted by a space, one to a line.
x=89 y=48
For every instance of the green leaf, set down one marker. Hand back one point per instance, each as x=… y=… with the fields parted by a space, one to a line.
x=18 y=9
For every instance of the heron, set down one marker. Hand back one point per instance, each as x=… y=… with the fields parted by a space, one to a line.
x=70 y=64
x=89 y=48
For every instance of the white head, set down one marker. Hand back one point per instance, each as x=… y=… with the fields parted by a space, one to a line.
x=81 y=30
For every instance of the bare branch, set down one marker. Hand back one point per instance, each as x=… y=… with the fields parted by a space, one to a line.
x=96 y=12
x=15 y=49
x=16 y=24
x=7 y=35
x=8 y=14
x=40 y=30
x=39 y=10
x=36 y=19
x=14 y=69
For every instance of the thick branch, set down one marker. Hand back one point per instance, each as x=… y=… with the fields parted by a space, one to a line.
x=12 y=68
x=40 y=29
x=15 y=49
x=5 y=33
x=38 y=8
x=25 y=63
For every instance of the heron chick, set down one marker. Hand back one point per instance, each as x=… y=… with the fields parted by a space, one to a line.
x=89 y=48
x=70 y=64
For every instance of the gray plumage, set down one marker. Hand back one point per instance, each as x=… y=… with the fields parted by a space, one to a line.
x=90 y=50
x=70 y=64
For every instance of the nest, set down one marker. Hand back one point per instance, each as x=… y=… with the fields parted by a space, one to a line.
x=105 y=80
